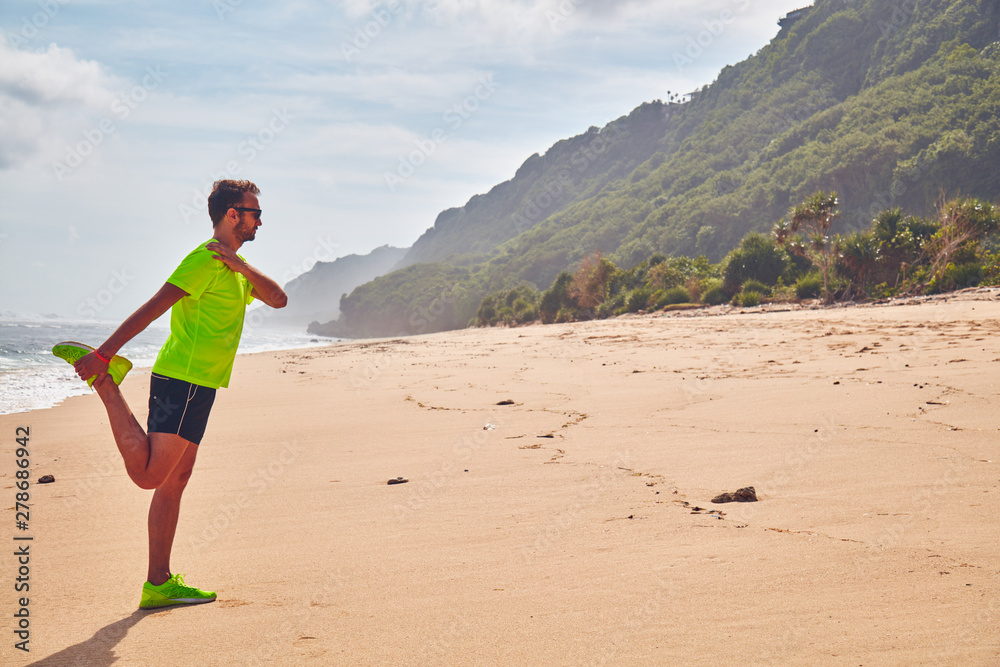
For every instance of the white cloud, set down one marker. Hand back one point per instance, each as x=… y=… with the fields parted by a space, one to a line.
x=51 y=76
x=396 y=88
x=512 y=26
x=41 y=93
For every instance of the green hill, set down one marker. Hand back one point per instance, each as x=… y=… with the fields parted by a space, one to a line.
x=315 y=295
x=889 y=104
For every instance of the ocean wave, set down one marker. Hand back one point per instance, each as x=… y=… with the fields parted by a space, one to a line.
x=32 y=378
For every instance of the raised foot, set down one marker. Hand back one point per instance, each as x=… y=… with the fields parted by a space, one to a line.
x=72 y=352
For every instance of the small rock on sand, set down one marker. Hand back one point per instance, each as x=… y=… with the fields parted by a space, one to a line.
x=744 y=495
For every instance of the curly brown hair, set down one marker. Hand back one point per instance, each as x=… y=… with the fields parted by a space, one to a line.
x=227 y=194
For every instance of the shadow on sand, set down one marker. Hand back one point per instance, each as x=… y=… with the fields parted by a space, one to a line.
x=99 y=650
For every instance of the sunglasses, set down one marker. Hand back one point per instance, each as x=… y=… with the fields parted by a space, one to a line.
x=256 y=211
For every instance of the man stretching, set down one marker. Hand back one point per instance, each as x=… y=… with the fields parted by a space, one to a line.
x=207 y=294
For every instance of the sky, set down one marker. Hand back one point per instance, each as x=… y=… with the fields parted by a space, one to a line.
x=359 y=120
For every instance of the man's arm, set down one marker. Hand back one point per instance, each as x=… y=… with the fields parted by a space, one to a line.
x=167 y=296
x=264 y=288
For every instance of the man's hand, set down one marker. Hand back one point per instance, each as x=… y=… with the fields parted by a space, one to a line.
x=89 y=365
x=227 y=256
x=263 y=288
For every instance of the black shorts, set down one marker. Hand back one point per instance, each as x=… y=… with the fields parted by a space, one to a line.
x=178 y=407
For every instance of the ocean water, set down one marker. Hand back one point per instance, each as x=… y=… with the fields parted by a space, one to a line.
x=31 y=377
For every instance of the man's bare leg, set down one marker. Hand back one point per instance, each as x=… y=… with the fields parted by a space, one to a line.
x=148 y=459
x=163 y=512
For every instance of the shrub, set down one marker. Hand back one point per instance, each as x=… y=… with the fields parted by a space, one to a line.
x=757 y=258
x=714 y=295
x=611 y=307
x=966 y=275
x=753 y=285
x=529 y=314
x=524 y=309
x=511 y=307
x=638 y=299
x=487 y=313
x=566 y=315
x=555 y=298
x=881 y=291
x=669 y=297
x=589 y=287
x=747 y=299
x=809 y=287
x=964 y=223
x=956 y=277
x=693 y=287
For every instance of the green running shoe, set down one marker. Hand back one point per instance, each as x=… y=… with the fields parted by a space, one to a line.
x=172 y=592
x=72 y=352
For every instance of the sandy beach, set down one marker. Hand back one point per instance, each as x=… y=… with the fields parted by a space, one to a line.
x=573 y=526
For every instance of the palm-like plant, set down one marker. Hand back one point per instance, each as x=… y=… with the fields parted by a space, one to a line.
x=807 y=233
x=859 y=256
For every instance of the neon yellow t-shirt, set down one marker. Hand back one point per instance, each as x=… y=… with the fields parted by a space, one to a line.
x=206 y=325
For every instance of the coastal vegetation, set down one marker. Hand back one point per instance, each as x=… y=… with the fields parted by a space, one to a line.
x=897 y=255
x=887 y=104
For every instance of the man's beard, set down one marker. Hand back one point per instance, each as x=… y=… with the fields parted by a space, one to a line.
x=245 y=232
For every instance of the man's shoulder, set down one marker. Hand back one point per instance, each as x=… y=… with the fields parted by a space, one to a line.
x=201 y=249
x=200 y=254
x=196 y=271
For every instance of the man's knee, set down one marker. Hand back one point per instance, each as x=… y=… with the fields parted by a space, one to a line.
x=172 y=481
x=148 y=481
x=179 y=479
x=170 y=462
